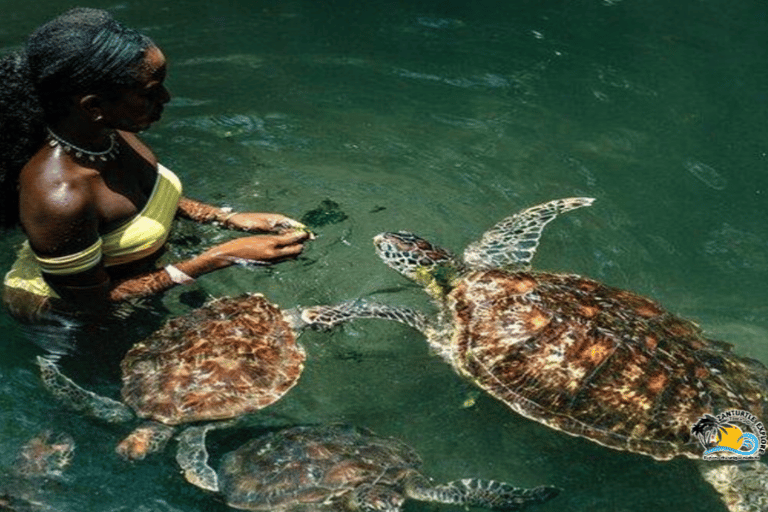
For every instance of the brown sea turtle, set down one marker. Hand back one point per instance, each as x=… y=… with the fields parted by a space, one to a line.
x=567 y=351
x=344 y=468
x=228 y=358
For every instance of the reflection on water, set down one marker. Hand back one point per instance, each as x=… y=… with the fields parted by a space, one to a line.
x=439 y=118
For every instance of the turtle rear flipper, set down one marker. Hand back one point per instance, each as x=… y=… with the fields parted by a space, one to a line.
x=79 y=399
x=512 y=242
x=742 y=485
x=148 y=438
x=487 y=494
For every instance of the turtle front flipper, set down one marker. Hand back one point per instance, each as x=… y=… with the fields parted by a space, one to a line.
x=480 y=493
x=147 y=438
x=79 y=399
x=376 y=498
x=513 y=241
x=326 y=317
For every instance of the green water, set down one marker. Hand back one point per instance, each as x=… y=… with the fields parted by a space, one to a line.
x=442 y=117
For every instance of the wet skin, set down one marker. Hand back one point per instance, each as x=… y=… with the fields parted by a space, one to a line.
x=67 y=203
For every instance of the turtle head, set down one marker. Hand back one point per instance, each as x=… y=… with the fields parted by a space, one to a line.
x=419 y=260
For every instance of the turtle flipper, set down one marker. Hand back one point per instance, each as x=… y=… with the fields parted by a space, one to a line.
x=743 y=486
x=513 y=241
x=326 y=317
x=488 y=494
x=376 y=498
x=147 y=438
x=63 y=388
x=192 y=456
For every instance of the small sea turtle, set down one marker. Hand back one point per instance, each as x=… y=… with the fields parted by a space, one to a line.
x=40 y=462
x=567 y=351
x=228 y=358
x=339 y=467
x=47 y=454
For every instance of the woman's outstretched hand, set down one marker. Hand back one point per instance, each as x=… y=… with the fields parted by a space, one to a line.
x=251 y=249
x=264 y=222
x=264 y=248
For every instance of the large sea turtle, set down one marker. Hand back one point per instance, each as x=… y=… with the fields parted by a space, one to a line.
x=344 y=468
x=569 y=352
x=230 y=357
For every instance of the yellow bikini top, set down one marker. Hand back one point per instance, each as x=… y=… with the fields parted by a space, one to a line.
x=138 y=237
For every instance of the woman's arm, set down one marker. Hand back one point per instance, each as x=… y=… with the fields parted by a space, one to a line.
x=63 y=204
x=92 y=290
x=59 y=228
x=253 y=248
x=201 y=212
x=254 y=222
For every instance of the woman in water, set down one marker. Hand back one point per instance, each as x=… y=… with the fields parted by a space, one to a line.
x=92 y=199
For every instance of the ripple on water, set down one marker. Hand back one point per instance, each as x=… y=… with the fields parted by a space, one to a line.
x=274 y=131
x=737 y=250
x=706 y=174
x=439 y=23
x=487 y=80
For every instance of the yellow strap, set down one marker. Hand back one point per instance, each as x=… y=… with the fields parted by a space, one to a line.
x=72 y=263
x=146 y=232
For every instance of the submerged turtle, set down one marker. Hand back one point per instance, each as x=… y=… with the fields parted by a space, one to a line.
x=47 y=454
x=339 y=467
x=232 y=356
x=39 y=463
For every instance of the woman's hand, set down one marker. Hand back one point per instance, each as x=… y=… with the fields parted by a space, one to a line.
x=264 y=222
x=265 y=248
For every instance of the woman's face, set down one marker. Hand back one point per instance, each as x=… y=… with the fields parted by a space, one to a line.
x=138 y=107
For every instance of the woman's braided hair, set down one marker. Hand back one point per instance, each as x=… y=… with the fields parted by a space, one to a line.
x=83 y=51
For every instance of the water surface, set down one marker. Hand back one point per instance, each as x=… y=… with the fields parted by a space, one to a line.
x=442 y=118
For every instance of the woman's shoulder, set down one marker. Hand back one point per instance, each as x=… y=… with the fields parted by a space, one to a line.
x=53 y=182
x=57 y=200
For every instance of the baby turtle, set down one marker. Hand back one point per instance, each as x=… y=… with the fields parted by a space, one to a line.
x=228 y=358
x=339 y=467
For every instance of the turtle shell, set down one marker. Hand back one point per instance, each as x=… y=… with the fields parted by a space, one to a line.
x=232 y=356
x=311 y=467
x=596 y=361
x=46 y=454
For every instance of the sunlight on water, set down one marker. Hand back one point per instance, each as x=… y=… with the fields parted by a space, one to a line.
x=439 y=118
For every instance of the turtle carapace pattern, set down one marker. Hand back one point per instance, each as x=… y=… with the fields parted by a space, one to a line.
x=231 y=357
x=565 y=350
x=346 y=468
